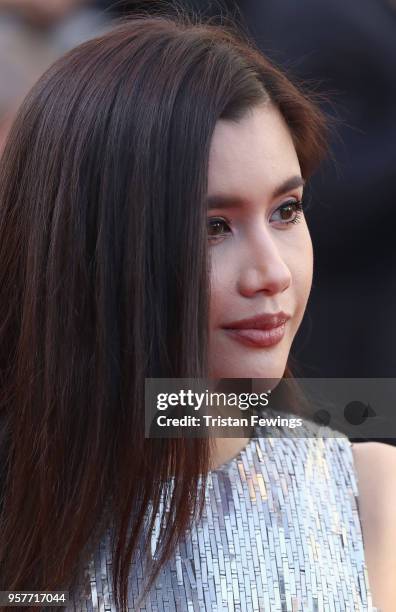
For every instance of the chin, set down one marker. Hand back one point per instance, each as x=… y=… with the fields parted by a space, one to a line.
x=274 y=374
x=235 y=360
x=267 y=366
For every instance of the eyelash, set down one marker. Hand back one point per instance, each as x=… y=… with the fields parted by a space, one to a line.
x=298 y=214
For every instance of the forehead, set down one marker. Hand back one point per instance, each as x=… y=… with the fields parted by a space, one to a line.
x=253 y=156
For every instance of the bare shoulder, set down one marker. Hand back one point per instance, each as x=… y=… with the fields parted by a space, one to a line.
x=375 y=465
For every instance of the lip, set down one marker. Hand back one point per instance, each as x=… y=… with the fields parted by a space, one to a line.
x=260 y=331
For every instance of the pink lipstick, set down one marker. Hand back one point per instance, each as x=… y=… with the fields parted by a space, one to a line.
x=260 y=331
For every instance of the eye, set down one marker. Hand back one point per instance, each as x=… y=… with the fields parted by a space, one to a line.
x=289 y=212
x=216 y=227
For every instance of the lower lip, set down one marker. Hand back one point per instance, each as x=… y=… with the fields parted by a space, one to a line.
x=258 y=337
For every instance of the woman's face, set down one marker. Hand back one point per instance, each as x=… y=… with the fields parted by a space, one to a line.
x=259 y=244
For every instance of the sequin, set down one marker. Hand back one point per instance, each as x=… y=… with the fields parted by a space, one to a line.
x=280 y=532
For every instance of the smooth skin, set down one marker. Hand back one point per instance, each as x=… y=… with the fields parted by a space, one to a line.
x=262 y=261
x=259 y=262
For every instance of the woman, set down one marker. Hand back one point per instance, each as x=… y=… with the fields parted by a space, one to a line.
x=151 y=199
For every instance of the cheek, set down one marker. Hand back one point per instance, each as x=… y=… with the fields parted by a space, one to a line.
x=302 y=270
x=222 y=280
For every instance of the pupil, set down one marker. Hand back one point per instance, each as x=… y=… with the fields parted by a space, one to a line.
x=285 y=212
x=215 y=225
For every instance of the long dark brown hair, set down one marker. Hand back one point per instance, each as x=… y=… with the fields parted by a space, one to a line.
x=104 y=282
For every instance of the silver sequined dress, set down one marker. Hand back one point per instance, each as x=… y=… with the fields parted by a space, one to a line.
x=280 y=532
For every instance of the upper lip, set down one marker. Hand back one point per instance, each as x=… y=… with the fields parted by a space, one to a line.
x=261 y=321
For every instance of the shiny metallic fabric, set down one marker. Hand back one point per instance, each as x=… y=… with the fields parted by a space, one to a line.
x=280 y=532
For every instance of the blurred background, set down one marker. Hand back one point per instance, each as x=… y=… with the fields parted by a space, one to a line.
x=346 y=53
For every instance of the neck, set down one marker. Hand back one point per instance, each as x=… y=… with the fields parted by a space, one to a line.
x=225 y=449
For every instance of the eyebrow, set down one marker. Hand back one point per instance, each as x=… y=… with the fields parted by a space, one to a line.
x=228 y=201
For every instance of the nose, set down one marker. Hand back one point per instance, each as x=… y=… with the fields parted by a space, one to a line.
x=263 y=266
